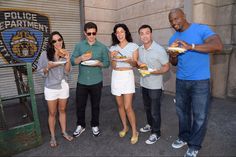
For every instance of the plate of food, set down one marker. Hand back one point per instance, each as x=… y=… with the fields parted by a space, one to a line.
x=120 y=58
x=59 y=62
x=176 y=49
x=89 y=62
x=148 y=70
x=145 y=70
x=88 y=53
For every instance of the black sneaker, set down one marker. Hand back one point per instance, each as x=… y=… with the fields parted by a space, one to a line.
x=152 y=139
x=95 y=131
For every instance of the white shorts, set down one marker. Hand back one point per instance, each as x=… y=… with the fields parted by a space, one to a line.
x=54 y=94
x=122 y=82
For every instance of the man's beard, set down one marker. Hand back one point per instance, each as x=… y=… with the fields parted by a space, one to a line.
x=180 y=29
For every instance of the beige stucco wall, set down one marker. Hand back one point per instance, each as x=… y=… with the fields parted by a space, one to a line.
x=216 y=13
x=231 y=83
x=103 y=13
x=219 y=15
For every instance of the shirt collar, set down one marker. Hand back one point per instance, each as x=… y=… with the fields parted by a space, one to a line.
x=149 y=47
x=86 y=41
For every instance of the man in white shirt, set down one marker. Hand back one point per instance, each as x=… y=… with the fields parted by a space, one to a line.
x=157 y=61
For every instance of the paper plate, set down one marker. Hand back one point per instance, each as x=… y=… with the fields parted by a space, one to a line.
x=59 y=62
x=149 y=70
x=176 y=49
x=146 y=72
x=89 y=62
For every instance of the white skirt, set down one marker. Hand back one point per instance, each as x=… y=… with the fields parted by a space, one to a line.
x=122 y=82
x=54 y=94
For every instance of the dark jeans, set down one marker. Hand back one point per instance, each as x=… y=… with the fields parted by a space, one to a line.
x=192 y=103
x=82 y=93
x=152 y=105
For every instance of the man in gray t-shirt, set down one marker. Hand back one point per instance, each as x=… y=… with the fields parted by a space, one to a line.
x=156 y=60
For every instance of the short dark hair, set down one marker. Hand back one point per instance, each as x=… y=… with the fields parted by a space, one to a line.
x=90 y=25
x=144 y=26
x=127 y=34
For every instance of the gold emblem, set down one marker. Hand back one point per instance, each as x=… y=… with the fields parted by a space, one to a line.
x=24 y=44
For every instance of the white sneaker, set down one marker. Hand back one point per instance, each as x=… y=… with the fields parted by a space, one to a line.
x=78 y=131
x=178 y=143
x=95 y=131
x=146 y=128
x=191 y=153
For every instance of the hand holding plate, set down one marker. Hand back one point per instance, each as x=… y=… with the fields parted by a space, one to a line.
x=51 y=65
x=173 y=54
x=114 y=53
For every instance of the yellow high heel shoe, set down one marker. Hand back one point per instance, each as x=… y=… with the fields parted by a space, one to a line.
x=123 y=133
x=134 y=139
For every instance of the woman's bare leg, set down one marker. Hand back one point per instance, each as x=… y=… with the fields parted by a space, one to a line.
x=128 y=99
x=62 y=114
x=52 y=110
x=121 y=108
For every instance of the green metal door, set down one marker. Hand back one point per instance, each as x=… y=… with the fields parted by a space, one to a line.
x=19 y=122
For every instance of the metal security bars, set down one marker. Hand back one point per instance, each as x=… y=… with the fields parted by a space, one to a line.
x=19 y=123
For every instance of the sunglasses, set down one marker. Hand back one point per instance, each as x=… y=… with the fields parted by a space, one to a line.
x=54 y=41
x=91 y=33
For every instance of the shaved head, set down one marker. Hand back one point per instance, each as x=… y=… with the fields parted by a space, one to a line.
x=178 y=20
x=176 y=11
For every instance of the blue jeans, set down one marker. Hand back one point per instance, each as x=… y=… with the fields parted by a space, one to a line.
x=152 y=105
x=192 y=103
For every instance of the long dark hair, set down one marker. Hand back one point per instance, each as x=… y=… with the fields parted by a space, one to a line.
x=50 y=47
x=127 y=34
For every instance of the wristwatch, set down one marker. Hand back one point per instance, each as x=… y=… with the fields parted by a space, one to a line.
x=193 y=46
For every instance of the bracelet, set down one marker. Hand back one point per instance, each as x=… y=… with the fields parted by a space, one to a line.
x=193 y=46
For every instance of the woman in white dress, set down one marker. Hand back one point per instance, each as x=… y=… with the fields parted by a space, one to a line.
x=124 y=56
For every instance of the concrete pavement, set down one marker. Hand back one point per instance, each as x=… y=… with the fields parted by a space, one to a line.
x=220 y=139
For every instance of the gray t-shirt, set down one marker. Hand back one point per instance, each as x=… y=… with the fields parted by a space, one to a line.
x=155 y=56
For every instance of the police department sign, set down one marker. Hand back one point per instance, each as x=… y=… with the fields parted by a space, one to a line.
x=23 y=36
